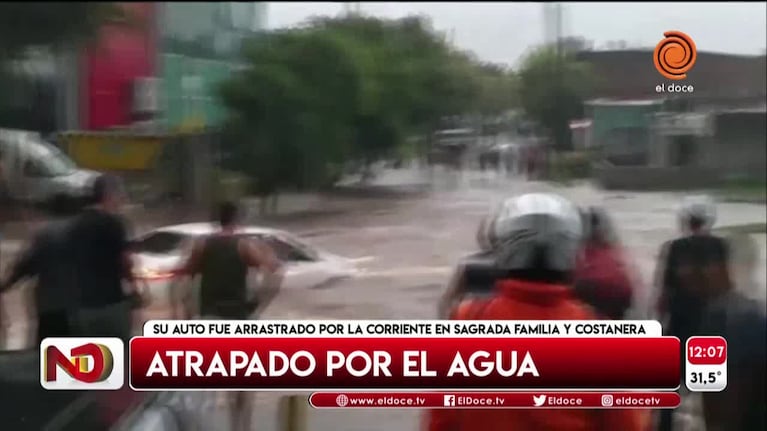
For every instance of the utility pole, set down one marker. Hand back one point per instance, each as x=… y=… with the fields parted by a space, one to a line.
x=558 y=28
x=553 y=23
x=559 y=74
x=352 y=8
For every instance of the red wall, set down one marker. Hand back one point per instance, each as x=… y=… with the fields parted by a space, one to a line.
x=111 y=65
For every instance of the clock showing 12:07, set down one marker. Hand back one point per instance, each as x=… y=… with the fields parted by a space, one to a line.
x=706 y=359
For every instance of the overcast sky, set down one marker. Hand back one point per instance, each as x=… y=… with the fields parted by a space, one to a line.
x=502 y=32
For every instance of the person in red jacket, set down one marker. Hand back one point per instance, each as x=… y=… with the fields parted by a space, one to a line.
x=602 y=276
x=537 y=238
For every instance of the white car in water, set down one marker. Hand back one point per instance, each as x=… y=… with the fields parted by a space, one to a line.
x=161 y=250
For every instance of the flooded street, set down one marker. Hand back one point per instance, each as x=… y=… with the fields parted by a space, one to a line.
x=411 y=244
x=405 y=248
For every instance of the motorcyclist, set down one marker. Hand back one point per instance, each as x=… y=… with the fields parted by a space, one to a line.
x=602 y=277
x=692 y=270
x=536 y=239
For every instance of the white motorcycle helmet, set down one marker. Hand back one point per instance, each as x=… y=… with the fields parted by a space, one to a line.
x=537 y=233
x=700 y=207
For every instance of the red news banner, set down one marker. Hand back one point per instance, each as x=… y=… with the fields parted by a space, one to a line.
x=404 y=355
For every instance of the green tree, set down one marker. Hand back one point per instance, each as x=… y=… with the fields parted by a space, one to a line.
x=552 y=89
x=291 y=109
x=498 y=90
x=338 y=90
x=413 y=78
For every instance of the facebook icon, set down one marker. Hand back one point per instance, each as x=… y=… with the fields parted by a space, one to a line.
x=449 y=400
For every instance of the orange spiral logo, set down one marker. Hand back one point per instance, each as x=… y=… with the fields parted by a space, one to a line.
x=675 y=55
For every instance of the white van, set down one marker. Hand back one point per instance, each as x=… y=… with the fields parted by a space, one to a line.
x=35 y=171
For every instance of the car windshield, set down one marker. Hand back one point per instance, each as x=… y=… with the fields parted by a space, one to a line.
x=161 y=243
x=50 y=159
x=304 y=248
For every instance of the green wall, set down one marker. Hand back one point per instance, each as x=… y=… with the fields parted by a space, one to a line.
x=608 y=117
x=200 y=45
x=190 y=90
x=623 y=130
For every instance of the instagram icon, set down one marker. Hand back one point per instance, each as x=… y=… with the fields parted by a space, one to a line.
x=607 y=400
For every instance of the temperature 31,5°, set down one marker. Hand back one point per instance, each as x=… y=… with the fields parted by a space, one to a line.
x=702 y=378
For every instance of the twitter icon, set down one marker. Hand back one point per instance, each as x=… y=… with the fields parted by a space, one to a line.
x=539 y=400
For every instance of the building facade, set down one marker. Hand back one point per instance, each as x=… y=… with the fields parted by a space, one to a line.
x=621 y=129
x=91 y=88
x=114 y=70
x=721 y=81
x=28 y=90
x=163 y=72
x=729 y=143
x=200 y=47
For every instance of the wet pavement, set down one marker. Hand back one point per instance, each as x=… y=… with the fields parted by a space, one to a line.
x=414 y=243
x=407 y=244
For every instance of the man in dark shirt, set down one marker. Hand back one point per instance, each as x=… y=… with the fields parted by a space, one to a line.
x=223 y=260
x=48 y=259
x=3 y=204
x=102 y=262
x=692 y=270
x=742 y=322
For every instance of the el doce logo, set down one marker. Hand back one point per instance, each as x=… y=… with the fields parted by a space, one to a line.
x=82 y=363
x=675 y=55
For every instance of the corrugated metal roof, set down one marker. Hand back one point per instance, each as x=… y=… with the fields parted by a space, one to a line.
x=762 y=110
x=613 y=102
x=455 y=132
x=579 y=124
